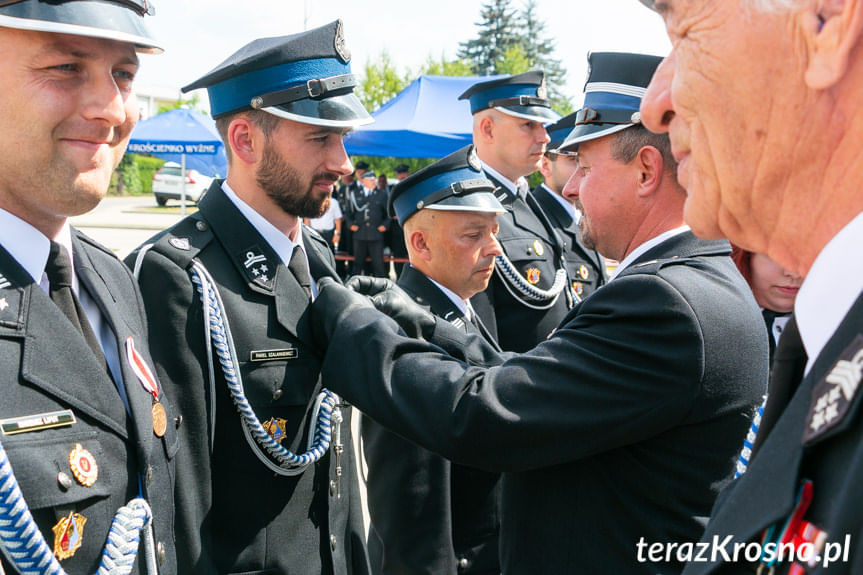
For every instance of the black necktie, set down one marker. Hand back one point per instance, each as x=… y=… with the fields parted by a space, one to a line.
x=300 y=269
x=59 y=272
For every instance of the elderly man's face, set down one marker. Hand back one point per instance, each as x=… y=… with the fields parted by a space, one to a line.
x=67 y=114
x=730 y=96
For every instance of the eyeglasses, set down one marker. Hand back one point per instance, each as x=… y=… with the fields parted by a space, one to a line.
x=554 y=154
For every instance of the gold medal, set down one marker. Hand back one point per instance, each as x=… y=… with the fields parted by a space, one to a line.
x=537 y=248
x=276 y=428
x=83 y=466
x=532 y=275
x=577 y=287
x=68 y=533
x=583 y=272
x=160 y=419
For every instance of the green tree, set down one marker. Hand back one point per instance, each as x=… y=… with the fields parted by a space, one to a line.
x=444 y=67
x=381 y=81
x=514 y=61
x=194 y=102
x=538 y=51
x=497 y=33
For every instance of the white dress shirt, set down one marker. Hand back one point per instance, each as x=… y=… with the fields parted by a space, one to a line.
x=637 y=252
x=281 y=244
x=831 y=287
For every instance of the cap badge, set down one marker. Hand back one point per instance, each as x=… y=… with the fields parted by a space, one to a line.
x=68 y=533
x=276 y=428
x=339 y=44
x=532 y=275
x=83 y=466
x=542 y=90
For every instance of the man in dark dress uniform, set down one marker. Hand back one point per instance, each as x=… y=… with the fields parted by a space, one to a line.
x=430 y=516
x=529 y=293
x=368 y=221
x=779 y=84
x=267 y=483
x=86 y=428
x=586 y=268
x=625 y=423
x=397 y=235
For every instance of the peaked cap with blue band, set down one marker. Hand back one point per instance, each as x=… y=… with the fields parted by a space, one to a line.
x=304 y=77
x=453 y=183
x=616 y=83
x=559 y=131
x=120 y=20
x=523 y=95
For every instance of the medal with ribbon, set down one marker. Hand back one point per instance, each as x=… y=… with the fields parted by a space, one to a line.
x=148 y=381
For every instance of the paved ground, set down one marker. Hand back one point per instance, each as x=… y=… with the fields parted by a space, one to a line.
x=123 y=224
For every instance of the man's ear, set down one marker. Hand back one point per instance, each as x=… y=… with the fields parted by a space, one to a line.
x=419 y=248
x=650 y=166
x=486 y=128
x=833 y=28
x=245 y=139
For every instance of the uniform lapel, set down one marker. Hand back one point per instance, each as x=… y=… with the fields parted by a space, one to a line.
x=140 y=401
x=319 y=264
x=55 y=357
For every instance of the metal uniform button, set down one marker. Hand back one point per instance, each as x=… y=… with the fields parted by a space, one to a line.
x=64 y=480
x=201 y=226
x=333 y=542
x=332 y=488
x=463 y=563
x=160 y=552
x=277 y=394
x=149 y=475
x=178 y=421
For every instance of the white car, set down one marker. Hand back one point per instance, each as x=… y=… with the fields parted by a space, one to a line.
x=168 y=183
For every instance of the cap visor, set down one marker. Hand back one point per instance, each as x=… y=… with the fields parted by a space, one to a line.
x=88 y=19
x=343 y=111
x=475 y=202
x=585 y=132
x=539 y=114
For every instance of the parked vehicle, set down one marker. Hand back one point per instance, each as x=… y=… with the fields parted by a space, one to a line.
x=168 y=183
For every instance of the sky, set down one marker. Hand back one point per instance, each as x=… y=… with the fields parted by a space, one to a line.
x=198 y=34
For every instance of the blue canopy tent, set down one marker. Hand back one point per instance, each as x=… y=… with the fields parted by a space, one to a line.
x=425 y=120
x=184 y=136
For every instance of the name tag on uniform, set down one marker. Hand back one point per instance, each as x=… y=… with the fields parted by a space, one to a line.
x=37 y=422
x=273 y=354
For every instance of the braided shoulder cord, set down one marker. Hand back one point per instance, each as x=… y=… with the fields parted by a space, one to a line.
x=746 y=452
x=539 y=298
x=218 y=331
x=27 y=550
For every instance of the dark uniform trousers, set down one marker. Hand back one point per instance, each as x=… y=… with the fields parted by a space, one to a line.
x=533 y=247
x=428 y=516
x=624 y=424
x=586 y=268
x=832 y=460
x=48 y=367
x=234 y=515
x=368 y=213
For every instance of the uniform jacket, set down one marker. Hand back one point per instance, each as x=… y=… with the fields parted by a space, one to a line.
x=432 y=517
x=48 y=367
x=586 y=268
x=534 y=249
x=624 y=424
x=234 y=515
x=833 y=460
x=368 y=213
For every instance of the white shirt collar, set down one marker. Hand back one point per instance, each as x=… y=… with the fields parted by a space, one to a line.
x=641 y=249
x=831 y=287
x=567 y=205
x=507 y=183
x=30 y=247
x=461 y=304
x=281 y=244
